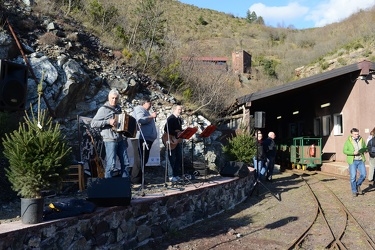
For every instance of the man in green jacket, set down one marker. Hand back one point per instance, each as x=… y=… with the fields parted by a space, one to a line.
x=354 y=148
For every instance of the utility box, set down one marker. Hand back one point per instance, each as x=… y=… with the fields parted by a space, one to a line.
x=306 y=152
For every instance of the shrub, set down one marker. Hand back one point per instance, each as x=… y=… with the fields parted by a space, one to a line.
x=38 y=156
x=101 y=14
x=187 y=94
x=269 y=67
x=127 y=54
x=342 y=61
x=121 y=34
x=241 y=148
x=202 y=21
x=367 y=53
x=324 y=65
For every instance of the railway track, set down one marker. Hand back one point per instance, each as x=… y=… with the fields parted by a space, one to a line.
x=333 y=227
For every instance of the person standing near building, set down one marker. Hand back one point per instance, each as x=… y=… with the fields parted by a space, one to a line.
x=269 y=147
x=147 y=133
x=115 y=143
x=260 y=157
x=354 y=149
x=172 y=129
x=371 y=152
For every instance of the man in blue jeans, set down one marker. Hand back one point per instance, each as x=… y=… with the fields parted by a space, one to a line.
x=260 y=158
x=115 y=143
x=354 y=148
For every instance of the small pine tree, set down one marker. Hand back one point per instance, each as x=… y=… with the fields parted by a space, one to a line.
x=38 y=155
x=251 y=17
x=241 y=148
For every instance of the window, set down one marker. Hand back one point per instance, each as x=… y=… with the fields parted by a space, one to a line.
x=317 y=127
x=337 y=124
x=326 y=124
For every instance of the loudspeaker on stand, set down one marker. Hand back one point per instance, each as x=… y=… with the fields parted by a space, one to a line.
x=107 y=192
x=235 y=169
x=260 y=119
x=13 y=86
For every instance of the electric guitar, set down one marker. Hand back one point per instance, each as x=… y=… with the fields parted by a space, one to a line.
x=172 y=139
x=97 y=161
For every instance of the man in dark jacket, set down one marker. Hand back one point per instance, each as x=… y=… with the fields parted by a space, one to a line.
x=172 y=129
x=269 y=147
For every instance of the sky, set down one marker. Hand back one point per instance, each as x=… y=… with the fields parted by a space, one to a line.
x=300 y=14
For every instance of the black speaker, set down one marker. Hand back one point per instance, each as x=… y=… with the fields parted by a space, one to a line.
x=235 y=169
x=13 y=86
x=108 y=192
x=260 y=119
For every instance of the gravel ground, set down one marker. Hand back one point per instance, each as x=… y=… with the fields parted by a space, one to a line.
x=266 y=222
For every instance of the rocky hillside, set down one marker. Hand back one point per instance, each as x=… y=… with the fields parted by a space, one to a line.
x=77 y=73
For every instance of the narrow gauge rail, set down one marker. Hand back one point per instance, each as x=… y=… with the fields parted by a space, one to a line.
x=336 y=221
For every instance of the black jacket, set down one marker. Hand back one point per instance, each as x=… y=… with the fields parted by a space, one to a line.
x=269 y=147
x=371 y=147
x=260 y=151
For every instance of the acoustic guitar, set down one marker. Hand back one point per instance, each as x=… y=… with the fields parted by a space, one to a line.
x=97 y=161
x=173 y=140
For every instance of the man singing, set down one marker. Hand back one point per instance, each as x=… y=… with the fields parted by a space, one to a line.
x=147 y=134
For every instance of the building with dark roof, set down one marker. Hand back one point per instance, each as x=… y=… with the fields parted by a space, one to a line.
x=326 y=105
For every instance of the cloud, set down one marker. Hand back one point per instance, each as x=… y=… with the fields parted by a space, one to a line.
x=317 y=14
x=280 y=15
x=336 y=11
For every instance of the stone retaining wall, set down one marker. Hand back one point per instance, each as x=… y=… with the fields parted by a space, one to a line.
x=146 y=219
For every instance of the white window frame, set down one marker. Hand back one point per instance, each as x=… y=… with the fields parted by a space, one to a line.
x=326 y=125
x=338 y=124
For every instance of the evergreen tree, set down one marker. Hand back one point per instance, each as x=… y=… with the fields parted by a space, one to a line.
x=260 y=20
x=251 y=17
x=241 y=148
x=38 y=155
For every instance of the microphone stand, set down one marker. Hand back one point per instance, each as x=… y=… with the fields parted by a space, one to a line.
x=167 y=154
x=144 y=145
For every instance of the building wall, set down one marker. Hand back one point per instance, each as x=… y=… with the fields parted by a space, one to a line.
x=355 y=100
x=358 y=112
x=241 y=62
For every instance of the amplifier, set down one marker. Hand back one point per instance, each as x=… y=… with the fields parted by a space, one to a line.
x=108 y=192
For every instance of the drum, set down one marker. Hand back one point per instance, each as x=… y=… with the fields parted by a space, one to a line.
x=126 y=124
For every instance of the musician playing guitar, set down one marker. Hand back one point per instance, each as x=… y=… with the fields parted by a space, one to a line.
x=115 y=143
x=172 y=129
x=96 y=164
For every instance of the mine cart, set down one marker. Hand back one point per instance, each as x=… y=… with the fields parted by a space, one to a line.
x=306 y=152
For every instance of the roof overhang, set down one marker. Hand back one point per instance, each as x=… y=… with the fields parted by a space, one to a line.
x=362 y=68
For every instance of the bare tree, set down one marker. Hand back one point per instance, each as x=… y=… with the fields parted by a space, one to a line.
x=210 y=86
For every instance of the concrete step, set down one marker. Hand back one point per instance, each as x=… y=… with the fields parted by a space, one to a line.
x=338 y=168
